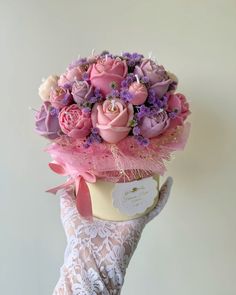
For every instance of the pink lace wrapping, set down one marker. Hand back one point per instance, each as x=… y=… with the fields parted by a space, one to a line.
x=120 y=162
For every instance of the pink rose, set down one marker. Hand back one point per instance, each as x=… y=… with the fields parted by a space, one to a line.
x=154 y=125
x=60 y=97
x=106 y=71
x=112 y=118
x=178 y=104
x=74 y=122
x=157 y=75
x=76 y=73
x=81 y=91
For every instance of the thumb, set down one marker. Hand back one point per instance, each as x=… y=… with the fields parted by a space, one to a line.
x=163 y=198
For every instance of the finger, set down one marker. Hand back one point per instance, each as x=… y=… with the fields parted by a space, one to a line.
x=163 y=198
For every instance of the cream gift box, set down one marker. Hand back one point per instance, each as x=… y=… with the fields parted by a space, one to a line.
x=105 y=196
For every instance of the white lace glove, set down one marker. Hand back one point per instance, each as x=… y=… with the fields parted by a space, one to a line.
x=98 y=252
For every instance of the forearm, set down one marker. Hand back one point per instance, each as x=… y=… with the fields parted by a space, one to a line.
x=80 y=275
x=89 y=284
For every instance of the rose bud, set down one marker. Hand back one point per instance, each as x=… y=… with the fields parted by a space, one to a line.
x=139 y=93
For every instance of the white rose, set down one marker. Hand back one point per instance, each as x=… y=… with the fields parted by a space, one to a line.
x=46 y=86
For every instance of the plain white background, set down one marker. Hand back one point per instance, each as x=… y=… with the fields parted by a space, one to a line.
x=190 y=248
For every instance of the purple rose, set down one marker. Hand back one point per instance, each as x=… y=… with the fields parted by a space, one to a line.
x=46 y=121
x=60 y=97
x=81 y=91
x=152 y=126
x=157 y=75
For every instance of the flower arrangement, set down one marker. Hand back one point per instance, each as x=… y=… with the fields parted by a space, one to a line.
x=114 y=117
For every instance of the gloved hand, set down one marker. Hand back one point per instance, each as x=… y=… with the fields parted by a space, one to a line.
x=98 y=252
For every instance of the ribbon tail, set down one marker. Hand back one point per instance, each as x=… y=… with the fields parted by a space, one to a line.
x=83 y=198
x=54 y=190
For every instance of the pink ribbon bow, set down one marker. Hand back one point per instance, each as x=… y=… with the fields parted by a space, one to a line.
x=83 y=198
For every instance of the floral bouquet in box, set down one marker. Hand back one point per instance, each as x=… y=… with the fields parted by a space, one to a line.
x=116 y=119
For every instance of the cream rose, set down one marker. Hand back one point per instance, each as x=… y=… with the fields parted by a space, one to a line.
x=45 y=88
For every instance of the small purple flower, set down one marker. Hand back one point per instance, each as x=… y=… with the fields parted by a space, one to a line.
x=172 y=115
x=86 y=110
x=125 y=95
x=92 y=138
x=126 y=54
x=54 y=111
x=144 y=79
x=139 y=138
x=128 y=81
x=79 y=62
x=97 y=138
x=158 y=104
x=143 y=111
x=96 y=98
x=151 y=92
x=83 y=61
x=86 y=145
x=131 y=63
x=132 y=59
x=162 y=102
x=89 y=140
x=136 y=130
x=67 y=86
x=97 y=92
x=131 y=77
x=145 y=142
x=115 y=93
x=67 y=98
x=85 y=76
x=93 y=99
x=142 y=140
x=124 y=84
x=137 y=56
x=104 y=53
x=95 y=130
x=151 y=99
x=164 y=99
x=111 y=55
x=154 y=111
x=73 y=64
